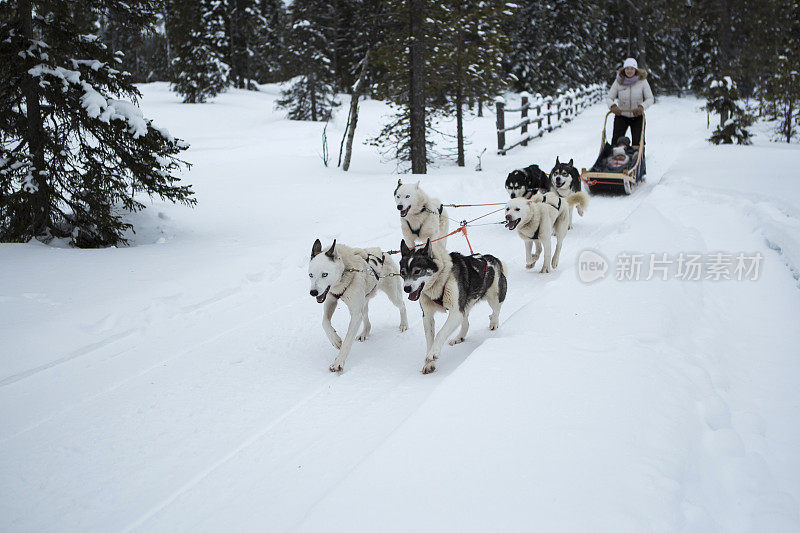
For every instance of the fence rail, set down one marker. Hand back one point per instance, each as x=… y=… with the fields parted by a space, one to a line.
x=551 y=113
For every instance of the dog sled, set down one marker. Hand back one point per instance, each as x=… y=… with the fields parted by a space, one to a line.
x=625 y=178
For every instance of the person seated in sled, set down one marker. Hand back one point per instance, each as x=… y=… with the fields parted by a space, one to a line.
x=622 y=155
x=630 y=92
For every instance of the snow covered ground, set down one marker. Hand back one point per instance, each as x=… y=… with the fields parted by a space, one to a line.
x=182 y=383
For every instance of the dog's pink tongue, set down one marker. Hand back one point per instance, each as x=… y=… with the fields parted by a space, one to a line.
x=321 y=297
x=414 y=296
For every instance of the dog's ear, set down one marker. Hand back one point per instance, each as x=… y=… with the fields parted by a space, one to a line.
x=570 y=162
x=557 y=163
x=404 y=250
x=316 y=249
x=332 y=250
x=428 y=250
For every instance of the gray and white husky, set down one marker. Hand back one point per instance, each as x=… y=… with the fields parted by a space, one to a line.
x=565 y=180
x=538 y=219
x=421 y=217
x=451 y=283
x=352 y=275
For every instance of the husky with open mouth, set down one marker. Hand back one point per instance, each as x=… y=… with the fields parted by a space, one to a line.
x=538 y=219
x=354 y=276
x=565 y=180
x=451 y=283
x=421 y=217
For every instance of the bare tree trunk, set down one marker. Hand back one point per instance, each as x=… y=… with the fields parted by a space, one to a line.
x=417 y=87
x=352 y=121
x=725 y=55
x=313 y=86
x=459 y=98
x=39 y=212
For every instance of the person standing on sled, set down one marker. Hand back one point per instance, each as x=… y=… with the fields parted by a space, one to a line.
x=632 y=93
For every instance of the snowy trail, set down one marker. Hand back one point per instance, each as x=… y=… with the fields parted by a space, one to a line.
x=197 y=394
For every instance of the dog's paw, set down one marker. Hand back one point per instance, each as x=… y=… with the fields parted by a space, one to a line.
x=403 y=327
x=493 y=326
x=554 y=264
x=336 y=367
x=430 y=366
x=362 y=337
x=529 y=265
x=457 y=340
x=570 y=226
x=544 y=270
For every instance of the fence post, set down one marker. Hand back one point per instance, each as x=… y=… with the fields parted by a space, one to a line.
x=539 y=112
x=558 y=109
x=525 y=96
x=501 y=124
x=549 y=104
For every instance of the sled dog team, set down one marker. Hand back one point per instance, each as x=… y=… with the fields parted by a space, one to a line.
x=540 y=207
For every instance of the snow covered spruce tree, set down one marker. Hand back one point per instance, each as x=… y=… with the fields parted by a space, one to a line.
x=723 y=99
x=783 y=91
x=557 y=44
x=197 y=31
x=311 y=94
x=466 y=61
x=75 y=149
x=246 y=21
x=268 y=50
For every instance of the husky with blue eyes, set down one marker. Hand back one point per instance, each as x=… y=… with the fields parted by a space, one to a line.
x=421 y=217
x=450 y=283
x=354 y=276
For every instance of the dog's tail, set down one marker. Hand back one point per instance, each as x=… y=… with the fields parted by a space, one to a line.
x=502 y=285
x=580 y=199
x=502 y=279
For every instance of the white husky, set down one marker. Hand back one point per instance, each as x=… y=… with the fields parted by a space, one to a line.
x=538 y=219
x=421 y=217
x=352 y=275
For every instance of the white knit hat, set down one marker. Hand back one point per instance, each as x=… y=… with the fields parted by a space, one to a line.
x=630 y=62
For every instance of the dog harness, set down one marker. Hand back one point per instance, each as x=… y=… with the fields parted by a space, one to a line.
x=412 y=230
x=545 y=202
x=424 y=210
x=371 y=268
x=440 y=299
x=535 y=235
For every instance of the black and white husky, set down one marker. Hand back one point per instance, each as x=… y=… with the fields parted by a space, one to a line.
x=525 y=182
x=451 y=283
x=421 y=217
x=538 y=219
x=565 y=180
x=352 y=275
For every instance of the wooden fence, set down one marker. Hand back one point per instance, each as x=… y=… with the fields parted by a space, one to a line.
x=551 y=113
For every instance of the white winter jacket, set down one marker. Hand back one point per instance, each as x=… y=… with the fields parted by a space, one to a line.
x=632 y=96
